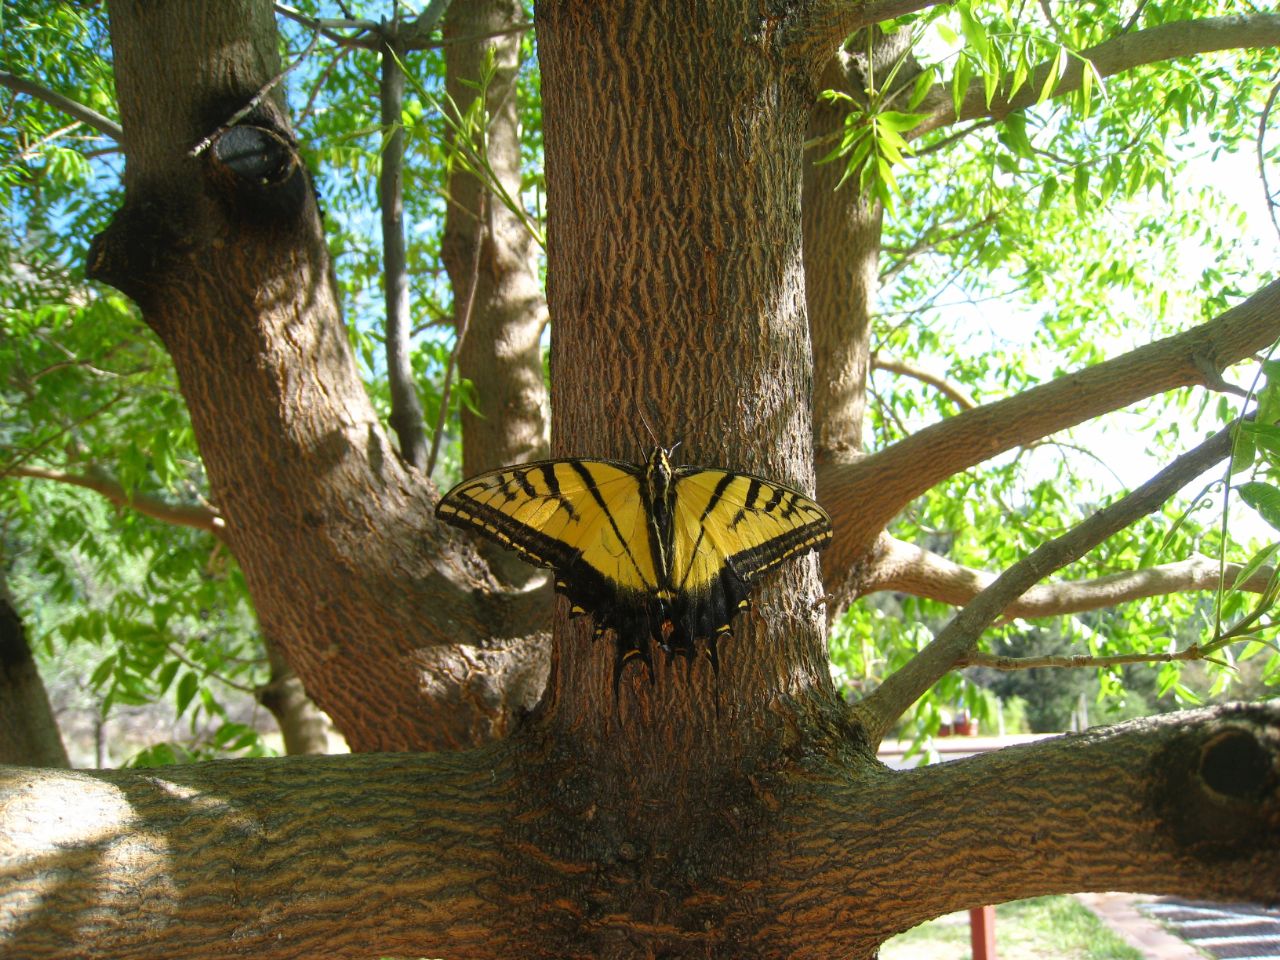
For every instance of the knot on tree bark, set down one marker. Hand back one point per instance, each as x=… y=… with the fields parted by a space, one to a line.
x=144 y=239
x=258 y=174
x=1218 y=787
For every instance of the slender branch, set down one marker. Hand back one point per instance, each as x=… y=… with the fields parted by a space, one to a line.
x=464 y=321
x=406 y=407
x=864 y=496
x=882 y=707
x=407 y=35
x=68 y=106
x=179 y=514
x=948 y=389
x=993 y=662
x=1263 y=121
x=1117 y=55
x=905 y=568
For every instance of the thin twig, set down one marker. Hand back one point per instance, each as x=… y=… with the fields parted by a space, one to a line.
x=941 y=384
x=994 y=662
x=179 y=514
x=1262 y=158
x=257 y=98
x=463 y=322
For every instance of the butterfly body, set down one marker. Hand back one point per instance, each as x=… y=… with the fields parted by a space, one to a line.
x=652 y=552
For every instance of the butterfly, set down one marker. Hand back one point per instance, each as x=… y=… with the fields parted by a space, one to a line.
x=652 y=552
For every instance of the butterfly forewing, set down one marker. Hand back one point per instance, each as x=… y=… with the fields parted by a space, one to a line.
x=562 y=513
x=748 y=522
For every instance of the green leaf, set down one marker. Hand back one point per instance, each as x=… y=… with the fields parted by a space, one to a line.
x=975 y=34
x=103 y=670
x=187 y=688
x=1080 y=190
x=960 y=82
x=1264 y=498
x=1243 y=449
x=1051 y=79
x=1256 y=562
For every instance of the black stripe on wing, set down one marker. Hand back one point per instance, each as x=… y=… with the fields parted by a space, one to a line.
x=754 y=561
x=533 y=545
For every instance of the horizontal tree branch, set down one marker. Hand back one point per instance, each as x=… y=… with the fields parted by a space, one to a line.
x=864 y=496
x=1125 y=52
x=479 y=854
x=880 y=709
x=906 y=568
x=68 y=106
x=1147 y=806
x=180 y=514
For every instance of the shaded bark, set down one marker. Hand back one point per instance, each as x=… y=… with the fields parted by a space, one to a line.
x=303 y=726
x=29 y=733
x=371 y=602
x=450 y=855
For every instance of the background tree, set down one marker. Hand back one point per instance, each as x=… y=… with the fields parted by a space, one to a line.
x=687 y=262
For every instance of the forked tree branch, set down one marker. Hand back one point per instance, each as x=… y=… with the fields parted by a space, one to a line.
x=1117 y=55
x=906 y=568
x=951 y=391
x=179 y=514
x=864 y=496
x=880 y=709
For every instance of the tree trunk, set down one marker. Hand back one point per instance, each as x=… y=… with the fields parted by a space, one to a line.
x=502 y=300
x=303 y=725
x=372 y=603
x=841 y=263
x=491 y=256
x=29 y=733
x=675 y=276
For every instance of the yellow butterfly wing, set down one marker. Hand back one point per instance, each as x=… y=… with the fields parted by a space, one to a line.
x=584 y=518
x=729 y=529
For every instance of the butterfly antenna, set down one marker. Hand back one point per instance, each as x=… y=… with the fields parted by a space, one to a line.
x=645 y=420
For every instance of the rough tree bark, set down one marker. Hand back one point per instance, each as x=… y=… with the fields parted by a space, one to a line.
x=492 y=260
x=694 y=815
x=29 y=733
x=223 y=251
x=501 y=352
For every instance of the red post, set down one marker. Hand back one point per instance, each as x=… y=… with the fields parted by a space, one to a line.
x=982 y=933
